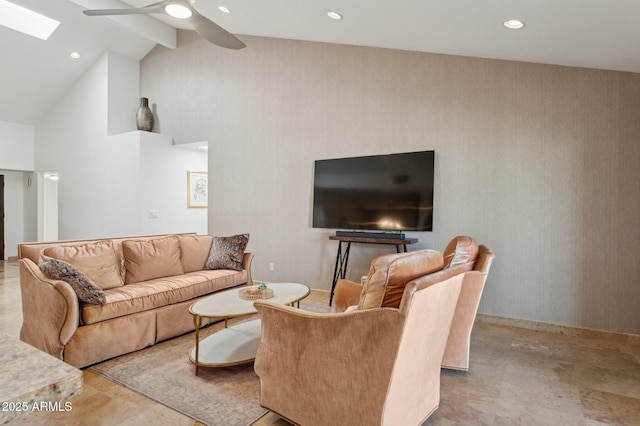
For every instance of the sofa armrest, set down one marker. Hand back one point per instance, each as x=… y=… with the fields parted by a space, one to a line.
x=320 y=366
x=50 y=310
x=246 y=265
x=347 y=293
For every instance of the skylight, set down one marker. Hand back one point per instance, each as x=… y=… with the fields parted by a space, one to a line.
x=26 y=21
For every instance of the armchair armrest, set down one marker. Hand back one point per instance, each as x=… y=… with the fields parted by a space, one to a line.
x=307 y=361
x=347 y=293
x=456 y=355
x=50 y=310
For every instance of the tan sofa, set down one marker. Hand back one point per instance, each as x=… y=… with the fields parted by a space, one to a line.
x=462 y=256
x=146 y=285
x=370 y=366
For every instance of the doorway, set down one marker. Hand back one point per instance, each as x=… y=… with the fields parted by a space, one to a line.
x=48 y=206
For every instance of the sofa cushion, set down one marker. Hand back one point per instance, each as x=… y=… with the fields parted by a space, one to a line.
x=159 y=292
x=461 y=250
x=87 y=290
x=389 y=274
x=98 y=261
x=227 y=252
x=117 y=242
x=153 y=258
x=194 y=251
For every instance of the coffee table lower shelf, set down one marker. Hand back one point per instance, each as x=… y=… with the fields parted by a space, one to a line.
x=237 y=344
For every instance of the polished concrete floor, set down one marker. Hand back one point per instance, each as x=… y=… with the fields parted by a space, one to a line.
x=518 y=376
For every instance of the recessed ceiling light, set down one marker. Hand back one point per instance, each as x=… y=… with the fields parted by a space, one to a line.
x=224 y=9
x=74 y=55
x=514 y=24
x=178 y=11
x=334 y=15
x=26 y=21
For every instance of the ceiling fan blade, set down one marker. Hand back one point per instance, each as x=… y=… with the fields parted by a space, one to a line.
x=208 y=29
x=132 y=11
x=214 y=33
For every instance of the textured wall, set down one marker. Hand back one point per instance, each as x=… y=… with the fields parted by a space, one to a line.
x=541 y=163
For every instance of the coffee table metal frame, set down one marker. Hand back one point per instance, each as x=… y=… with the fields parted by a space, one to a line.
x=235 y=344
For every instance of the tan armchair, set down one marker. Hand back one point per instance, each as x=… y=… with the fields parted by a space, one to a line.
x=461 y=256
x=456 y=354
x=378 y=366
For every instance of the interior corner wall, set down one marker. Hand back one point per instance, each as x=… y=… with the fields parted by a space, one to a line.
x=123 y=93
x=540 y=163
x=98 y=185
x=108 y=182
x=163 y=201
x=17 y=145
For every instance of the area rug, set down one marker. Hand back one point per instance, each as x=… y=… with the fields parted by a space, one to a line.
x=227 y=396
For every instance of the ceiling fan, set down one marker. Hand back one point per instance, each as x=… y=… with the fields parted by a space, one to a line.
x=181 y=9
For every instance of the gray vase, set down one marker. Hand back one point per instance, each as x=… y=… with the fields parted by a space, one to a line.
x=144 y=116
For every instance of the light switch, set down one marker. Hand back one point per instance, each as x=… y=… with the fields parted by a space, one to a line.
x=153 y=214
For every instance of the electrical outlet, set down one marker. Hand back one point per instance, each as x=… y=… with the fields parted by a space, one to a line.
x=271 y=266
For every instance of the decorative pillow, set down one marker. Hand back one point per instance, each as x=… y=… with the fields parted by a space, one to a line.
x=461 y=250
x=389 y=274
x=195 y=251
x=98 y=261
x=153 y=258
x=227 y=252
x=87 y=290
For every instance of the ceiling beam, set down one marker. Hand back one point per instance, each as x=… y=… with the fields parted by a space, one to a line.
x=142 y=25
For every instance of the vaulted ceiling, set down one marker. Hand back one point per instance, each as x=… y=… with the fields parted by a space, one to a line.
x=582 y=33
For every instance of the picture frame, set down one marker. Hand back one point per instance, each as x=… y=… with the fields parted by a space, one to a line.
x=197 y=189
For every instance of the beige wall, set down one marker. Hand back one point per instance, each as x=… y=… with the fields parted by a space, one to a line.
x=541 y=163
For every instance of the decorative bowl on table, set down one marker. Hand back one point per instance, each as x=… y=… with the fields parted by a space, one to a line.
x=255 y=292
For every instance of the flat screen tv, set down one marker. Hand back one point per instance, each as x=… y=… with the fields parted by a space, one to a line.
x=391 y=192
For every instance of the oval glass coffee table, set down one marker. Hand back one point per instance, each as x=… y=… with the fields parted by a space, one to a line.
x=236 y=344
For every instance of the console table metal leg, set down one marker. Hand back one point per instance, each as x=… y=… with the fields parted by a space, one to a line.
x=340 y=270
x=404 y=246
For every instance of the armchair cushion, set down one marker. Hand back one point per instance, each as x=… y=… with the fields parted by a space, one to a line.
x=390 y=273
x=346 y=296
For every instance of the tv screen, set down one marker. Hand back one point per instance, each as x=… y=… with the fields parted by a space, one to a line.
x=381 y=192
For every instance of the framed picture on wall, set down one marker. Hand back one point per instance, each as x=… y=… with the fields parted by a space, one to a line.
x=197 y=189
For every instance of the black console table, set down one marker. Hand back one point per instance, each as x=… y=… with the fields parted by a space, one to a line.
x=342 y=258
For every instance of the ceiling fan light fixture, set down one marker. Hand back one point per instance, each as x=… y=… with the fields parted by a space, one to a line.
x=513 y=24
x=178 y=11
